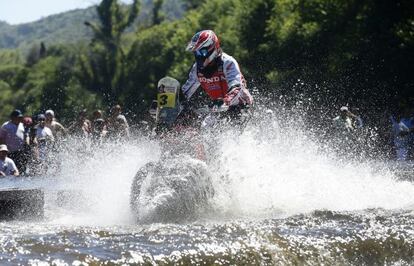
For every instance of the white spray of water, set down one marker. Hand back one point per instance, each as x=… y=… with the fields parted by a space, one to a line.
x=267 y=171
x=96 y=186
x=281 y=171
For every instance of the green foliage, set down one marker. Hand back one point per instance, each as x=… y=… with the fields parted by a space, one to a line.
x=147 y=61
x=36 y=53
x=49 y=83
x=353 y=46
x=157 y=14
x=341 y=51
x=10 y=57
x=104 y=71
x=7 y=100
x=192 y=4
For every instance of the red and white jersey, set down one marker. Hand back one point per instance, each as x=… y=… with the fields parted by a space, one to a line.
x=226 y=83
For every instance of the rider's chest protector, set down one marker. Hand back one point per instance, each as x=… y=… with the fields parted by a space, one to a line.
x=215 y=84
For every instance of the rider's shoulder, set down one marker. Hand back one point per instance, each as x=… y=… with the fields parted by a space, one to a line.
x=227 y=58
x=229 y=62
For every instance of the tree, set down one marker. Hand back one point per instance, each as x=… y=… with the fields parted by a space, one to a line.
x=157 y=15
x=192 y=4
x=103 y=70
x=35 y=54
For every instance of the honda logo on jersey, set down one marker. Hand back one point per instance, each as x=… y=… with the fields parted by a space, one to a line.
x=210 y=80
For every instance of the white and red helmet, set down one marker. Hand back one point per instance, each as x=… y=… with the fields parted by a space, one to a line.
x=206 y=47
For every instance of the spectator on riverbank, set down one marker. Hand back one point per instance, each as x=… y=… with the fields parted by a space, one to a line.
x=99 y=128
x=57 y=128
x=347 y=121
x=44 y=136
x=28 y=125
x=12 y=134
x=348 y=139
x=117 y=124
x=97 y=114
x=30 y=128
x=29 y=136
x=7 y=165
x=403 y=135
x=99 y=131
x=82 y=126
x=44 y=142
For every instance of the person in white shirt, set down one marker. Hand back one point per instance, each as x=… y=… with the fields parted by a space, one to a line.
x=347 y=121
x=344 y=121
x=57 y=129
x=12 y=134
x=44 y=138
x=7 y=166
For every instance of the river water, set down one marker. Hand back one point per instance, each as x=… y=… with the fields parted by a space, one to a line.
x=281 y=196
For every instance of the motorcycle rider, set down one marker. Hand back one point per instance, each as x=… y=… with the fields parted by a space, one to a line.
x=217 y=73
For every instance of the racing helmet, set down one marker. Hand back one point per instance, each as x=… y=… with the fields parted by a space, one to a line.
x=206 y=47
x=168 y=102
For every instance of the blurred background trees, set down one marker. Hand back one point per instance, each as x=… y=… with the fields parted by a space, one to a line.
x=325 y=51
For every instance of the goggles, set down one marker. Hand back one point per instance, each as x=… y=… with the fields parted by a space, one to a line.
x=202 y=53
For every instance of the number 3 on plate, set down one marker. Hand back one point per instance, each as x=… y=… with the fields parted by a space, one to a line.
x=166 y=100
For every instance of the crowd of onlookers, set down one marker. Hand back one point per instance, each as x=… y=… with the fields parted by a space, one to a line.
x=27 y=142
x=399 y=131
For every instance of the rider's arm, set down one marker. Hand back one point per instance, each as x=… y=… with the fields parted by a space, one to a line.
x=192 y=83
x=237 y=92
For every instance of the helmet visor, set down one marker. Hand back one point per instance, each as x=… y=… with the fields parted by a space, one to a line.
x=202 y=53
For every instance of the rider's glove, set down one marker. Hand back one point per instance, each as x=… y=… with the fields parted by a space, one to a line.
x=230 y=98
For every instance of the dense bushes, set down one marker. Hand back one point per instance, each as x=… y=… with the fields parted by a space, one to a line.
x=356 y=52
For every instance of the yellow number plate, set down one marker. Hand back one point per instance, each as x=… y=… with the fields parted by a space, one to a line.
x=166 y=99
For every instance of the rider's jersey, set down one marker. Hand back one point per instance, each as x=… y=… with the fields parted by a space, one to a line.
x=227 y=82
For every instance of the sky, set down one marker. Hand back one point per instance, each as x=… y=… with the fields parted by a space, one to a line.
x=22 y=11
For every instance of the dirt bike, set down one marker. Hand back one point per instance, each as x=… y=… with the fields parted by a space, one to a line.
x=177 y=187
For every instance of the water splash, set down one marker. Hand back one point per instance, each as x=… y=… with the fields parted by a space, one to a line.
x=93 y=187
x=176 y=189
x=273 y=169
